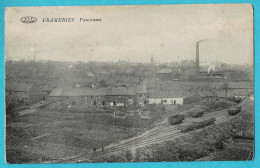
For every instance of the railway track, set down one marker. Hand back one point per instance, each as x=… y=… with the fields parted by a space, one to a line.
x=152 y=136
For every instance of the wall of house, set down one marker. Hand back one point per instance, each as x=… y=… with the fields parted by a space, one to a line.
x=154 y=100
x=79 y=100
x=46 y=94
x=112 y=100
x=141 y=99
x=165 y=101
x=17 y=98
x=123 y=100
x=36 y=94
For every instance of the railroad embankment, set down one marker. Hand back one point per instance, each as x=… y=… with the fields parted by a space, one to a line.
x=229 y=140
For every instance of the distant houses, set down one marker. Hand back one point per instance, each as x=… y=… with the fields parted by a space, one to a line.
x=19 y=94
x=134 y=92
x=165 y=74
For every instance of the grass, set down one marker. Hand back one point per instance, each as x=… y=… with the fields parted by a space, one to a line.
x=220 y=142
x=71 y=132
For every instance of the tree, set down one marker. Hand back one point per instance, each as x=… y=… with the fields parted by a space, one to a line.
x=103 y=83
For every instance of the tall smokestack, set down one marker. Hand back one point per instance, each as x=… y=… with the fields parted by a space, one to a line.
x=197 y=62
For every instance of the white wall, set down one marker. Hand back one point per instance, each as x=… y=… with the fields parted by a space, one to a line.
x=166 y=101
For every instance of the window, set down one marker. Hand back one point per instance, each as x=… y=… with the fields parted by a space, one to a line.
x=140 y=95
x=94 y=102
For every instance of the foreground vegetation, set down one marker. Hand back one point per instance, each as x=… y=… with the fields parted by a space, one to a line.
x=53 y=134
x=232 y=140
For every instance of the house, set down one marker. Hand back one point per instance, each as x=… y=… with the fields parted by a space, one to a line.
x=119 y=96
x=111 y=96
x=165 y=74
x=240 y=89
x=20 y=94
x=240 y=92
x=165 y=98
x=77 y=96
x=141 y=93
x=47 y=89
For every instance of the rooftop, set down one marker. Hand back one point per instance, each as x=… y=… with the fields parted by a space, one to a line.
x=19 y=87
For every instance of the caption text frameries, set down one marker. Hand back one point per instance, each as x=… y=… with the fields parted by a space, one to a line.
x=71 y=20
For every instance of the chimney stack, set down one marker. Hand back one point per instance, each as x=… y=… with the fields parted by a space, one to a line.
x=197 y=61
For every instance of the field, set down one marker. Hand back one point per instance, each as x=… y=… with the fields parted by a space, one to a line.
x=49 y=135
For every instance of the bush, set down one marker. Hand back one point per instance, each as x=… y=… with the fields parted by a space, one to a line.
x=213 y=106
x=234 y=99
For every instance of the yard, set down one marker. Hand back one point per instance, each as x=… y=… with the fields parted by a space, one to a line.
x=48 y=135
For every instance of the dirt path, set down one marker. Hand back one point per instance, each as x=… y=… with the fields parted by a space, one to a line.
x=32 y=108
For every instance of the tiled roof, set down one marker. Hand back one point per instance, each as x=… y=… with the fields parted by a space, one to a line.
x=77 y=92
x=240 y=92
x=49 y=86
x=166 y=94
x=21 y=87
x=92 y=91
x=244 y=84
x=142 y=87
x=116 y=91
x=131 y=90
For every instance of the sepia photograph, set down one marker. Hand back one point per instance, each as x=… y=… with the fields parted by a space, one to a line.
x=129 y=83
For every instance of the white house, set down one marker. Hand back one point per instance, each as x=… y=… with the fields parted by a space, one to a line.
x=164 y=98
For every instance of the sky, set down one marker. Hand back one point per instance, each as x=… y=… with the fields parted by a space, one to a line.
x=134 y=33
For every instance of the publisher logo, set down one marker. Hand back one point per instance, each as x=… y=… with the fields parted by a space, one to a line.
x=28 y=19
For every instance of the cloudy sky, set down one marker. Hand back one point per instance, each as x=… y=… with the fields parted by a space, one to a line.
x=135 y=33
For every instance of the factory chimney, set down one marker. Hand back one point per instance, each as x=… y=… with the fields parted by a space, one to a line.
x=197 y=61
